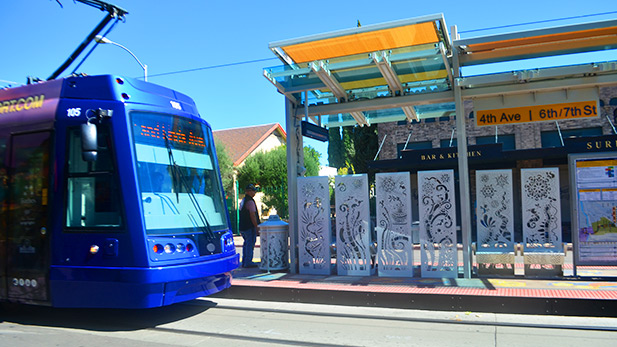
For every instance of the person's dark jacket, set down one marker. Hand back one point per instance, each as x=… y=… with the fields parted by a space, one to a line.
x=245 y=217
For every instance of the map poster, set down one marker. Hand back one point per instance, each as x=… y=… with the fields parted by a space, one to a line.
x=593 y=178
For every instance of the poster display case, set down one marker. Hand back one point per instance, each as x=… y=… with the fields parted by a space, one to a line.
x=594 y=208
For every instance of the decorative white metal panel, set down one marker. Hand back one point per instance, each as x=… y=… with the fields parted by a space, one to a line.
x=437 y=210
x=352 y=225
x=274 y=249
x=495 y=210
x=314 y=234
x=541 y=208
x=394 y=244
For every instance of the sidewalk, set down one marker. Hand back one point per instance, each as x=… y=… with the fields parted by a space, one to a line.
x=592 y=293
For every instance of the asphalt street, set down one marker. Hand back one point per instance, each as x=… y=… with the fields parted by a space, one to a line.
x=228 y=322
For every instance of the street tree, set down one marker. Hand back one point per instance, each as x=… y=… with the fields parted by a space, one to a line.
x=351 y=147
x=226 y=167
x=268 y=170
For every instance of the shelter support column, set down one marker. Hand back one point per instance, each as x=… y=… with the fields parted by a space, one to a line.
x=463 y=169
x=295 y=168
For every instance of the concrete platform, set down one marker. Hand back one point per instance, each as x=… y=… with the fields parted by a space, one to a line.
x=592 y=293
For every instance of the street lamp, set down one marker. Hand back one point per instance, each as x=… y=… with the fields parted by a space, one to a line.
x=101 y=39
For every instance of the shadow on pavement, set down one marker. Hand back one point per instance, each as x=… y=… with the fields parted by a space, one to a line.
x=101 y=319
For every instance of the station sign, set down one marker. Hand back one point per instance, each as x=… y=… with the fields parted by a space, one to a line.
x=537 y=107
x=314 y=131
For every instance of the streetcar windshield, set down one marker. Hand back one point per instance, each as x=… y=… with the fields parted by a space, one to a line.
x=178 y=177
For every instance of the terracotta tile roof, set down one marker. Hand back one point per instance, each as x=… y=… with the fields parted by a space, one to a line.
x=241 y=142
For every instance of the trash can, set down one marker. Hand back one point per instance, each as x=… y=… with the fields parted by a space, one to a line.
x=274 y=245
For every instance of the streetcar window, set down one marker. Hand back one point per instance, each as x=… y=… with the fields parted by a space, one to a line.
x=93 y=198
x=178 y=177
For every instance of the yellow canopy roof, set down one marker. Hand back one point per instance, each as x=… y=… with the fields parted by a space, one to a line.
x=365 y=42
x=539 y=43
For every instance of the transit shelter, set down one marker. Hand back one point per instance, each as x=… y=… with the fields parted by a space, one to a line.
x=411 y=72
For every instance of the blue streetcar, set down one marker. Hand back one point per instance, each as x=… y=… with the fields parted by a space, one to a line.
x=110 y=196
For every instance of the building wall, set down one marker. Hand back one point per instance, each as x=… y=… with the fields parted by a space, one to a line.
x=526 y=135
x=270 y=143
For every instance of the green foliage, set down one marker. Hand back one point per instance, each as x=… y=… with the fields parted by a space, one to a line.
x=268 y=170
x=311 y=161
x=336 y=152
x=348 y=147
x=365 y=147
x=226 y=167
x=352 y=148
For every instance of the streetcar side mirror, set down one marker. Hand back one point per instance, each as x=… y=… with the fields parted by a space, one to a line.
x=89 y=142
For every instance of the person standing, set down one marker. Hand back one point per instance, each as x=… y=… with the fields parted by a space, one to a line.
x=249 y=225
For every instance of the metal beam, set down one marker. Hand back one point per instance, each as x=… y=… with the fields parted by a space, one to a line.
x=546 y=85
x=444 y=56
x=463 y=174
x=280 y=88
x=524 y=76
x=359 y=117
x=288 y=72
x=385 y=68
x=283 y=56
x=321 y=70
x=448 y=96
x=380 y=103
x=410 y=113
x=295 y=166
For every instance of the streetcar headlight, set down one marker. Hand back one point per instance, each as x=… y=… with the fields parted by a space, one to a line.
x=180 y=247
x=169 y=248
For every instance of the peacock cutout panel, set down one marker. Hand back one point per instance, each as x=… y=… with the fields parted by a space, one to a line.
x=393 y=207
x=314 y=234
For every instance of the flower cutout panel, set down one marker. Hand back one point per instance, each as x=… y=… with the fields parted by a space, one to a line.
x=541 y=209
x=437 y=212
x=495 y=210
x=352 y=225
x=274 y=249
x=314 y=235
x=393 y=207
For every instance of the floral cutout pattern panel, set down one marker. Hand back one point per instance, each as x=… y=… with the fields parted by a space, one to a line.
x=437 y=212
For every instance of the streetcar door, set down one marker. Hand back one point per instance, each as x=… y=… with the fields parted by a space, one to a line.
x=27 y=237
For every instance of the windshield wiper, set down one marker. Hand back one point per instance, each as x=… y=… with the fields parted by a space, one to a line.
x=179 y=179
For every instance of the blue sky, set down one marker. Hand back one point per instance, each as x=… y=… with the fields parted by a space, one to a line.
x=217 y=37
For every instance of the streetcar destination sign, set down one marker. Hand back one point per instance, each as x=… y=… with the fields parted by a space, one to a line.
x=536 y=107
x=543 y=113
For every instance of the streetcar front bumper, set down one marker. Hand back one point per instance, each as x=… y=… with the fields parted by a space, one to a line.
x=126 y=287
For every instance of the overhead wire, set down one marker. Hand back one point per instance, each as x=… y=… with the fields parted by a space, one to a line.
x=212 y=67
x=460 y=32
x=537 y=22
